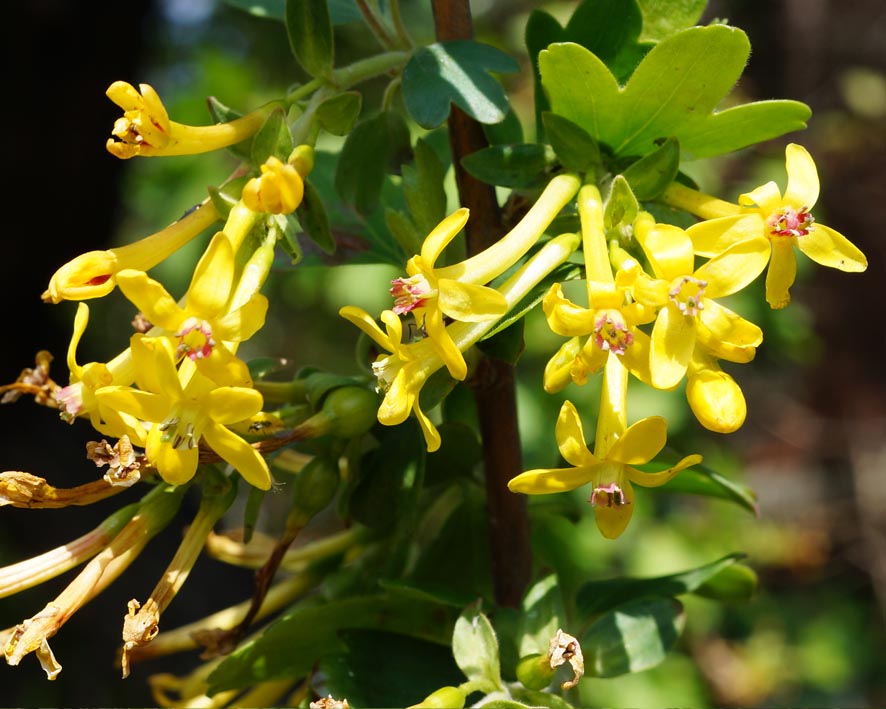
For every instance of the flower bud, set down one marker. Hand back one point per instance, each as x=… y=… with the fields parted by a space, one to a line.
x=347 y=412
x=443 y=698
x=313 y=489
x=535 y=671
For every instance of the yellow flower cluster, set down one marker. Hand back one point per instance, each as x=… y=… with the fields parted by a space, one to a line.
x=652 y=311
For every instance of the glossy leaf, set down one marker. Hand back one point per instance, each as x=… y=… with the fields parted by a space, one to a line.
x=309 y=28
x=475 y=648
x=423 y=188
x=632 y=637
x=673 y=92
x=650 y=175
x=312 y=216
x=597 y=597
x=520 y=166
x=375 y=148
x=662 y=18
x=622 y=206
x=292 y=645
x=737 y=582
x=702 y=480
x=272 y=139
x=543 y=614
x=456 y=72
x=338 y=113
x=575 y=149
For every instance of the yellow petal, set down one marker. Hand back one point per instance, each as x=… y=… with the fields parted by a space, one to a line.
x=781 y=274
x=719 y=324
x=571 y=439
x=175 y=465
x=613 y=520
x=443 y=344
x=565 y=317
x=469 y=303
x=398 y=400
x=557 y=370
x=669 y=250
x=213 y=278
x=713 y=236
x=227 y=405
x=90 y=275
x=641 y=442
x=81 y=320
x=239 y=454
x=802 y=189
x=154 y=362
x=636 y=357
x=830 y=248
x=766 y=198
x=143 y=405
x=662 y=476
x=547 y=480
x=673 y=339
x=244 y=322
x=151 y=298
x=441 y=235
x=364 y=321
x=716 y=400
x=224 y=369
x=734 y=268
x=428 y=429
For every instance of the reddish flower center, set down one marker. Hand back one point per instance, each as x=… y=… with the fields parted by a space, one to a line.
x=611 y=332
x=409 y=293
x=788 y=221
x=610 y=495
x=195 y=339
x=687 y=293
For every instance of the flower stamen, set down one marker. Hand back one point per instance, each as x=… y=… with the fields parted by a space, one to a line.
x=409 y=293
x=195 y=339
x=687 y=294
x=611 y=332
x=788 y=221
x=610 y=495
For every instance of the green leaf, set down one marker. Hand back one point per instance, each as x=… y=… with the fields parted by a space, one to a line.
x=423 y=188
x=543 y=614
x=377 y=146
x=475 y=648
x=662 y=18
x=456 y=72
x=338 y=113
x=310 y=35
x=702 y=480
x=651 y=175
x=272 y=139
x=576 y=149
x=597 y=597
x=459 y=452
x=292 y=645
x=523 y=165
x=508 y=131
x=343 y=11
x=411 y=669
x=622 y=206
x=737 y=582
x=605 y=27
x=404 y=231
x=312 y=216
x=673 y=92
x=542 y=29
x=632 y=637
x=536 y=698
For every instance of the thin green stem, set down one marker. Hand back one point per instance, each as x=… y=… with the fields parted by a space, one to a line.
x=376 y=25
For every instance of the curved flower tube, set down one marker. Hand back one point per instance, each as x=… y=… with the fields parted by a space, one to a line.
x=93 y=274
x=183 y=407
x=611 y=473
x=203 y=324
x=145 y=128
x=786 y=221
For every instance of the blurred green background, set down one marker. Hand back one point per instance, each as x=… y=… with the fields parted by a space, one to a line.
x=813 y=447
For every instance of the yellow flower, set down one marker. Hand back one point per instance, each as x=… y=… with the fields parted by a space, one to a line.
x=93 y=274
x=404 y=370
x=279 y=189
x=714 y=397
x=204 y=323
x=183 y=407
x=145 y=128
x=786 y=221
x=429 y=298
x=688 y=312
x=610 y=469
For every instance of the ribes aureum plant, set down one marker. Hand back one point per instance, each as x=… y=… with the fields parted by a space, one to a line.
x=391 y=455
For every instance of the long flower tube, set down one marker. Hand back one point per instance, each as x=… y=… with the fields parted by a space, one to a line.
x=24 y=490
x=92 y=275
x=142 y=623
x=156 y=511
x=403 y=372
x=145 y=128
x=34 y=571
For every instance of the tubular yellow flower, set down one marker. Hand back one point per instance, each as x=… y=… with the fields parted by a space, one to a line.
x=688 y=312
x=786 y=221
x=714 y=397
x=145 y=128
x=610 y=469
x=93 y=274
x=156 y=510
x=279 y=189
x=184 y=406
x=403 y=372
x=205 y=329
